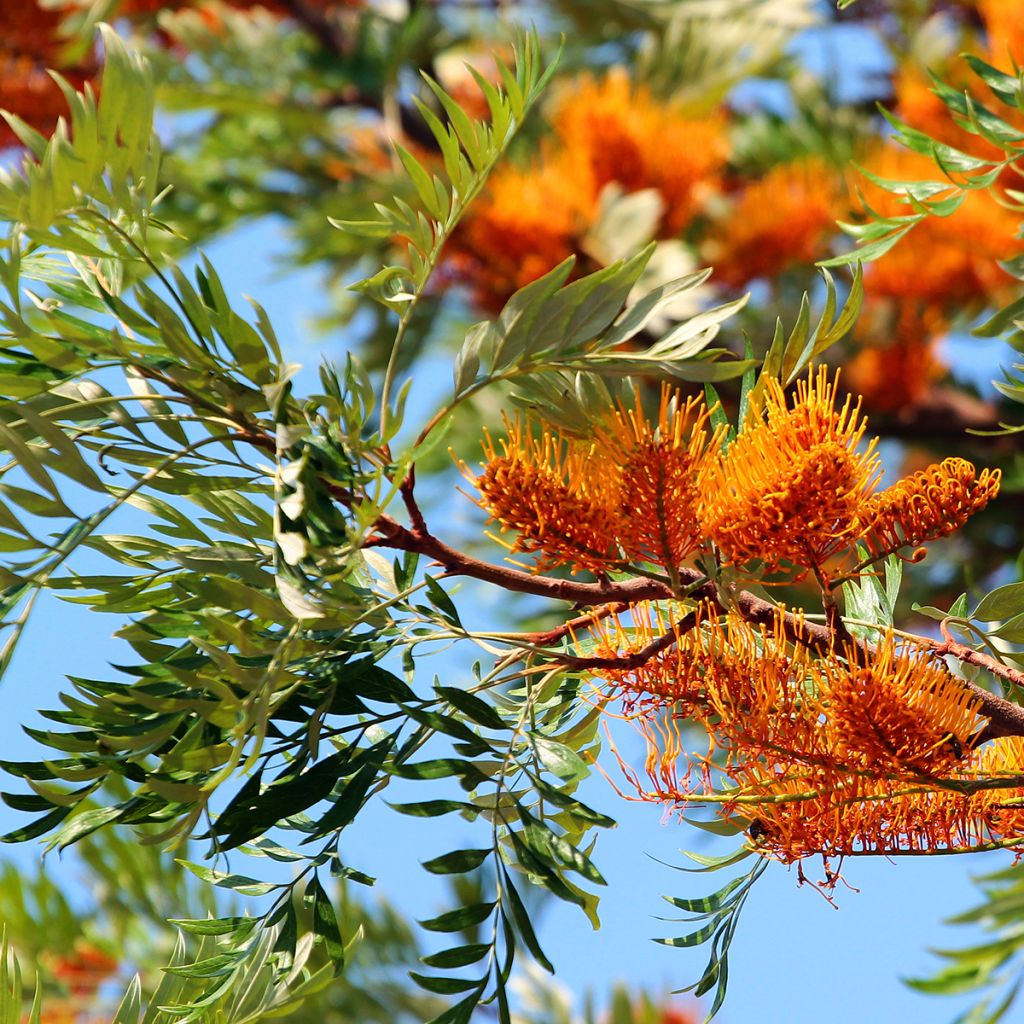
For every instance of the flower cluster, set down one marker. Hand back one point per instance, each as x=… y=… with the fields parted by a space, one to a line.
x=605 y=131
x=867 y=750
x=796 y=488
x=817 y=742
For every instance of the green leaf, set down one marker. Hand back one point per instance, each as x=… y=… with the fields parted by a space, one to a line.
x=460 y=919
x=707 y=904
x=696 y=938
x=1002 y=603
x=443 y=985
x=557 y=758
x=476 y=710
x=457 y=862
x=325 y=924
x=225 y=880
x=459 y=956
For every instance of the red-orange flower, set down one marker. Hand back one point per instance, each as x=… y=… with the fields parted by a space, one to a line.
x=31 y=44
x=628 y=136
x=781 y=219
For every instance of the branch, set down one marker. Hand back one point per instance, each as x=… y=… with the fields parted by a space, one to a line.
x=392 y=534
x=1005 y=717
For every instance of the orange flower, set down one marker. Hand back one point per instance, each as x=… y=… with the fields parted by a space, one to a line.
x=788 y=489
x=630 y=137
x=798 y=814
x=932 y=503
x=1005 y=29
x=1003 y=807
x=897 y=363
x=606 y=131
x=626 y=493
x=547 y=490
x=794 y=488
x=658 y=466
x=779 y=220
x=746 y=685
x=528 y=222
x=84 y=969
x=895 y=710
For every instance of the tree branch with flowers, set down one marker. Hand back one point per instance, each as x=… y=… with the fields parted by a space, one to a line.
x=692 y=492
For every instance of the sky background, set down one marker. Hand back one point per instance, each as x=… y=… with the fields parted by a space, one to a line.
x=796 y=960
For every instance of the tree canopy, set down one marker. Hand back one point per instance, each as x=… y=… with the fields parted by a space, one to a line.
x=640 y=436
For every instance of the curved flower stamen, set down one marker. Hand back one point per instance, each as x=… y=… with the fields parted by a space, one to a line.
x=790 y=487
x=932 y=503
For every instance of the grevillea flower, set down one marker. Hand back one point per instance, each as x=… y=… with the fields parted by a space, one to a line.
x=529 y=220
x=745 y=684
x=1002 y=760
x=867 y=751
x=897 y=359
x=799 y=813
x=657 y=464
x=628 y=136
x=778 y=220
x=550 y=492
x=895 y=710
x=932 y=503
x=789 y=488
x=625 y=493
x=944 y=261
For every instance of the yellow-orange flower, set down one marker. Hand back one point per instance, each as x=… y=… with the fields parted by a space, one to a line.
x=895 y=710
x=628 y=136
x=778 y=220
x=932 y=503
x=625 y=493
x=657 y=464
x=897 y=362
x=788 y=489
x=1003 y=807
x=549 y=492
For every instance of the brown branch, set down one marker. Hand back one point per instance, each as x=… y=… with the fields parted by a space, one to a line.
x=637 y=658
x=1005 y=717
x=392 y=534
x=547 y=637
